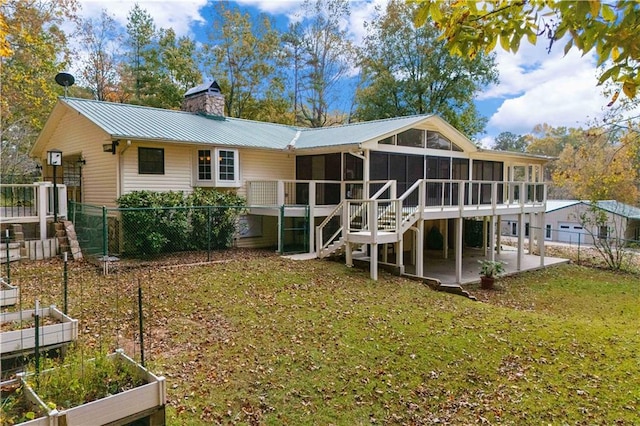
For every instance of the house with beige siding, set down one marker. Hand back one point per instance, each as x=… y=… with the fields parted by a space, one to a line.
x=371 y=191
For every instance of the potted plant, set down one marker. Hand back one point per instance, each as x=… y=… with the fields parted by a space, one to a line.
x=489 y=270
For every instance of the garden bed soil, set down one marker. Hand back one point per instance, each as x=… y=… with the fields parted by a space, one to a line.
x=108 y=391
x=20 y=406
x=56 y=328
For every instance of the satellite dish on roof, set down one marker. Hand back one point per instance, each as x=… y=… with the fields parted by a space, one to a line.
x=66 y=80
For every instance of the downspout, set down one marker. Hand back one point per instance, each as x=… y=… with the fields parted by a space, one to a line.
x=120 y=168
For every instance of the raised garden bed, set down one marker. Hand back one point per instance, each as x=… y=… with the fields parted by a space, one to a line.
x=19 y=333
x=8 y=293
x=20 y=405
x=112 y=390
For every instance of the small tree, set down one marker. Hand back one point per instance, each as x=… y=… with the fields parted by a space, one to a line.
x=607 y=232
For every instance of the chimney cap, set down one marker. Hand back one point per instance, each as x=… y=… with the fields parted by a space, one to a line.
x=210 y=87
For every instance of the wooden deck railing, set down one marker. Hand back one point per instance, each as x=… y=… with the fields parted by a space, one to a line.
x=31 y=203
x=312 y=192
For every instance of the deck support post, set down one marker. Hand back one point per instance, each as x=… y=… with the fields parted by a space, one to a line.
x=444 y=226
x=458 y=236
x=373 y=264
x=492 y=237
x=530 y=236
x=348 y=254
x=520 y=241
x=399 y=246
x=312 y=215
x=419 y=249
x=541 y=237
x=484 y=235
x=499 y=235
x=43 y=204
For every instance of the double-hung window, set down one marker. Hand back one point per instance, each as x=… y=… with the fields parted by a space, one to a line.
x=218 y=167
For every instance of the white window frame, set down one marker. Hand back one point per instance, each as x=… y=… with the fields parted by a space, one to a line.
x=215 y=180
x=235 y=182
x=548 y=232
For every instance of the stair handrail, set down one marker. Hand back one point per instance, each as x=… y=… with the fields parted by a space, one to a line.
x=410 y=218
x=324 y=223
x=321 y=246
x=385 y=213
x=382 y=190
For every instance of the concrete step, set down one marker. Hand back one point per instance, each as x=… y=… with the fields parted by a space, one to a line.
x=455 y=289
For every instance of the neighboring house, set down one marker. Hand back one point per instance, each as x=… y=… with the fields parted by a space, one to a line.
x=372 y=188
x=562 y=222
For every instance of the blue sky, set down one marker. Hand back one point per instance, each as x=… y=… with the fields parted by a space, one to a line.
x=535 y=87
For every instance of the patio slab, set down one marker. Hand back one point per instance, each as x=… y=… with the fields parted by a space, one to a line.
x=444 y=269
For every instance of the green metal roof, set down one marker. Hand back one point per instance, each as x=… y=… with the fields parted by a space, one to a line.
x=622 y=209
x=354 y=133
x=612 y=206
x=139 y=122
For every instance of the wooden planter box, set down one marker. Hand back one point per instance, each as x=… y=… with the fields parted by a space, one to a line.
x=20 y=341
x=8 y=293
x=143 y=401
x=29 y=402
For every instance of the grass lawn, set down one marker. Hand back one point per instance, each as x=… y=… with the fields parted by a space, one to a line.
x=266 y=340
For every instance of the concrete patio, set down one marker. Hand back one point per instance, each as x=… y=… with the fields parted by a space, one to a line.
x=444 y=269
x=435 y=266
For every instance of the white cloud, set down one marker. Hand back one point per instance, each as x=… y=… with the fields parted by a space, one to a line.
x=361 y=12
x=277 y=7
x=177 y=14
x=545 y=88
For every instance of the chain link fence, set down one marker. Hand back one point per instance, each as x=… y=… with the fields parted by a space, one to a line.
x=161 y=234
x=583 y=247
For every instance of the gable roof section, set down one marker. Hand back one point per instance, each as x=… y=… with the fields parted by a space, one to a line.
x=622 y=209
x=553 y=205
x=356 y=133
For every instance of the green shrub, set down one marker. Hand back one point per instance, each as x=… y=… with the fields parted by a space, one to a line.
x=167 y=222
x=215 y=215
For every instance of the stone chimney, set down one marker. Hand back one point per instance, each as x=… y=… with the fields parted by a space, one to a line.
x=206 y=99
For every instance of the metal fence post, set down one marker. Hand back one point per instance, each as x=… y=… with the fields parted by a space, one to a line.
x=65 y=278
x=8 y=258
x=141 y=324
x=281 y=229
x=579 y=234
x=104 y=232
x=208 y=233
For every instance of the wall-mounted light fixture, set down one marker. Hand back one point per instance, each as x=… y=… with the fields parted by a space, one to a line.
x=111 y=147
x=54 y=157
